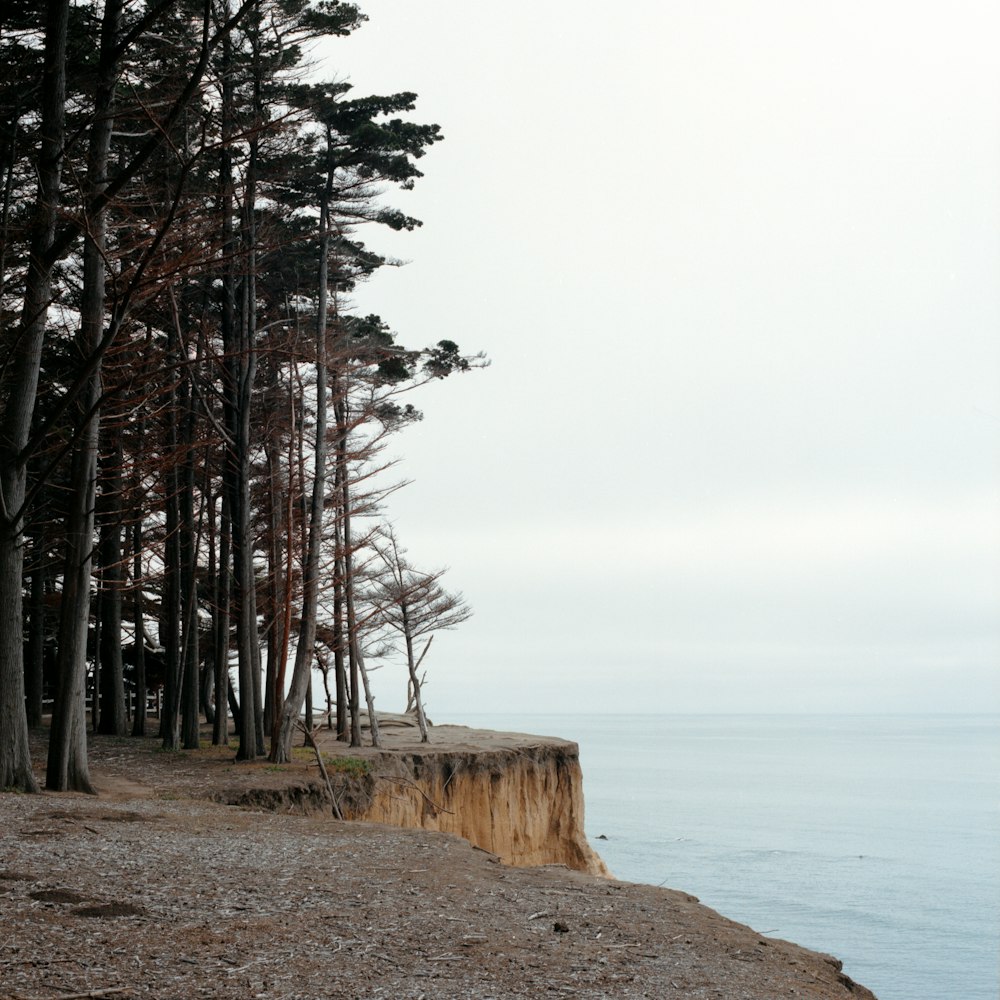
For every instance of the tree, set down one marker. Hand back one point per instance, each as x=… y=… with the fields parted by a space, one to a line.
x=286 y=718
x=193 y=221
x=98 y=332
x=355 y=147
x=21 y=368
x=410 y=604
x=67 y=762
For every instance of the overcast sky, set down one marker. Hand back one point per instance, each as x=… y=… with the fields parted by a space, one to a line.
x=737 y=268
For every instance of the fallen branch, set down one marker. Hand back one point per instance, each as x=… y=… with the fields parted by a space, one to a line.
x=407 y=781
x=79 y=996
x=39 y=961
x=310 y=737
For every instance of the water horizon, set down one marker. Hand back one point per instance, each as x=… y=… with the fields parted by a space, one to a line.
x=870 y=836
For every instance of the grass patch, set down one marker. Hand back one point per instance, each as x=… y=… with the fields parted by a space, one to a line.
x=353 y=767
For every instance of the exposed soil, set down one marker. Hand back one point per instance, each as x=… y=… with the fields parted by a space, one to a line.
x=156 y=888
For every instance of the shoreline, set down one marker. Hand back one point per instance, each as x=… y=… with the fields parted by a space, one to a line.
x=300 y=904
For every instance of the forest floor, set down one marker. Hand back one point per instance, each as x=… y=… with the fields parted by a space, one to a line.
x=153 y=888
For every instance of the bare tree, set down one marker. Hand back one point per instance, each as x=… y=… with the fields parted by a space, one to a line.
x=411 y=604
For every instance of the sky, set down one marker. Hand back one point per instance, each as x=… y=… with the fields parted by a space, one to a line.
x=737 y=270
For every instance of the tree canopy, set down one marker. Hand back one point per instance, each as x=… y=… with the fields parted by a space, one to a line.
x=192 y=420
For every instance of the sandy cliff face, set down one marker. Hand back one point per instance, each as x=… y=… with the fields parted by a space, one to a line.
x=524 y=804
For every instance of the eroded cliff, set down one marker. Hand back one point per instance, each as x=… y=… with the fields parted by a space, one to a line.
x=516 y=796
x=523 y=803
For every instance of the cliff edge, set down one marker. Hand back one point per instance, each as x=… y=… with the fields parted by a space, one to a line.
x=518 y=797
x=286 y=902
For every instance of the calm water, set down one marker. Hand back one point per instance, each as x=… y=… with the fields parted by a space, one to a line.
x=876 y=839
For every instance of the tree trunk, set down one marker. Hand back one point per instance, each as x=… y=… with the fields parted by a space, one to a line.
x=369 y=697
x=247 y=637
x=15 y=418
x=93 y=646
x=239 y=339
x=170 y=601
x=34 y=666
x=357 y=660
x=325 y=671
x=113 y=720
x=339 y=667
x=414 y=680
x=138 y=624
x=112 y=688
x=281 y=749
x=344 y=496
x=67 y=760
x=68 y=742
x=220 y=664
x=211 y=534
x=188 y=546
x=230 y=580
x=234 y=705
x=206 y=686
x=274 y=581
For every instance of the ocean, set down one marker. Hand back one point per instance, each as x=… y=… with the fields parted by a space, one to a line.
x=872 y=838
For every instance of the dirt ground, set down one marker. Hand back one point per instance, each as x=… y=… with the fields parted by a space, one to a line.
x=152 y=889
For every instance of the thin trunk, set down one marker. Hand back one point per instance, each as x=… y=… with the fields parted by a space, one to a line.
x=94 y=646
x=369 y=697
x=9 y=155
x=93 y=688
x=238 y=334
x=346 y=568
x=234 y=705
x=274 y=583
x=34 y=667
x=327 y=694
x=206 y=687
x=357 y=660
x=170 y=603
x=220 y=728
x=412 y=666
x=112 y=718
x=286 y=590
x=126 y=561
x=249 y=331
x=188 y=552
x=281 y=749
x=211 y=532
x=138 y=624
x=339 y=667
